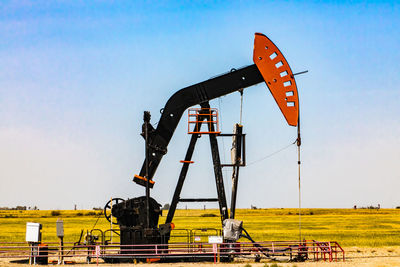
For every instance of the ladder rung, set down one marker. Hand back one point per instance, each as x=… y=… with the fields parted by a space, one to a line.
x=142 y=178
x=204 y=132
x=186 y=161
x=232 y=165
x=198 y=200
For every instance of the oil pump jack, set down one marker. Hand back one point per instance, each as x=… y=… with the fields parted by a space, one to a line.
x=138 y=218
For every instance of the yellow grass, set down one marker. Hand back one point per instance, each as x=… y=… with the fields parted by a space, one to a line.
x=361 y=228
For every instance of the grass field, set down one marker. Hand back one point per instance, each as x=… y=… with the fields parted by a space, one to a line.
x=360 y=228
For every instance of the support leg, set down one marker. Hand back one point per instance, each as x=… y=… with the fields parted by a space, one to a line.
x=235 y=178
x=223 y=208
x=235 y=174
x=181 y=180
x=184 y=170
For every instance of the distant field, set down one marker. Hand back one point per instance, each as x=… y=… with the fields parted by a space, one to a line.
x=361 y=228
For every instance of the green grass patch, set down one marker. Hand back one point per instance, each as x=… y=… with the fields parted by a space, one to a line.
x=361 y=228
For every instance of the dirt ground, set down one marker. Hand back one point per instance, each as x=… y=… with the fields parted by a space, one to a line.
x=388 y=256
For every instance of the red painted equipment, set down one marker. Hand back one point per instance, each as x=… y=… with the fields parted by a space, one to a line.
x=278 y=76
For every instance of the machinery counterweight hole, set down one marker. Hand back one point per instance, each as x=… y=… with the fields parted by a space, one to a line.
x=290 y=93
x=284 y=73
x=290 y=104
x=287 y=83
x=279 y=64
x=273 y=55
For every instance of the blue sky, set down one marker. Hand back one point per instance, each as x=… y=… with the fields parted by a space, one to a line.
x=75 y=78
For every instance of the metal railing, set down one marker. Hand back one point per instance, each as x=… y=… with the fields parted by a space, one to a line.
x=292 y=250
x=199 y=116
